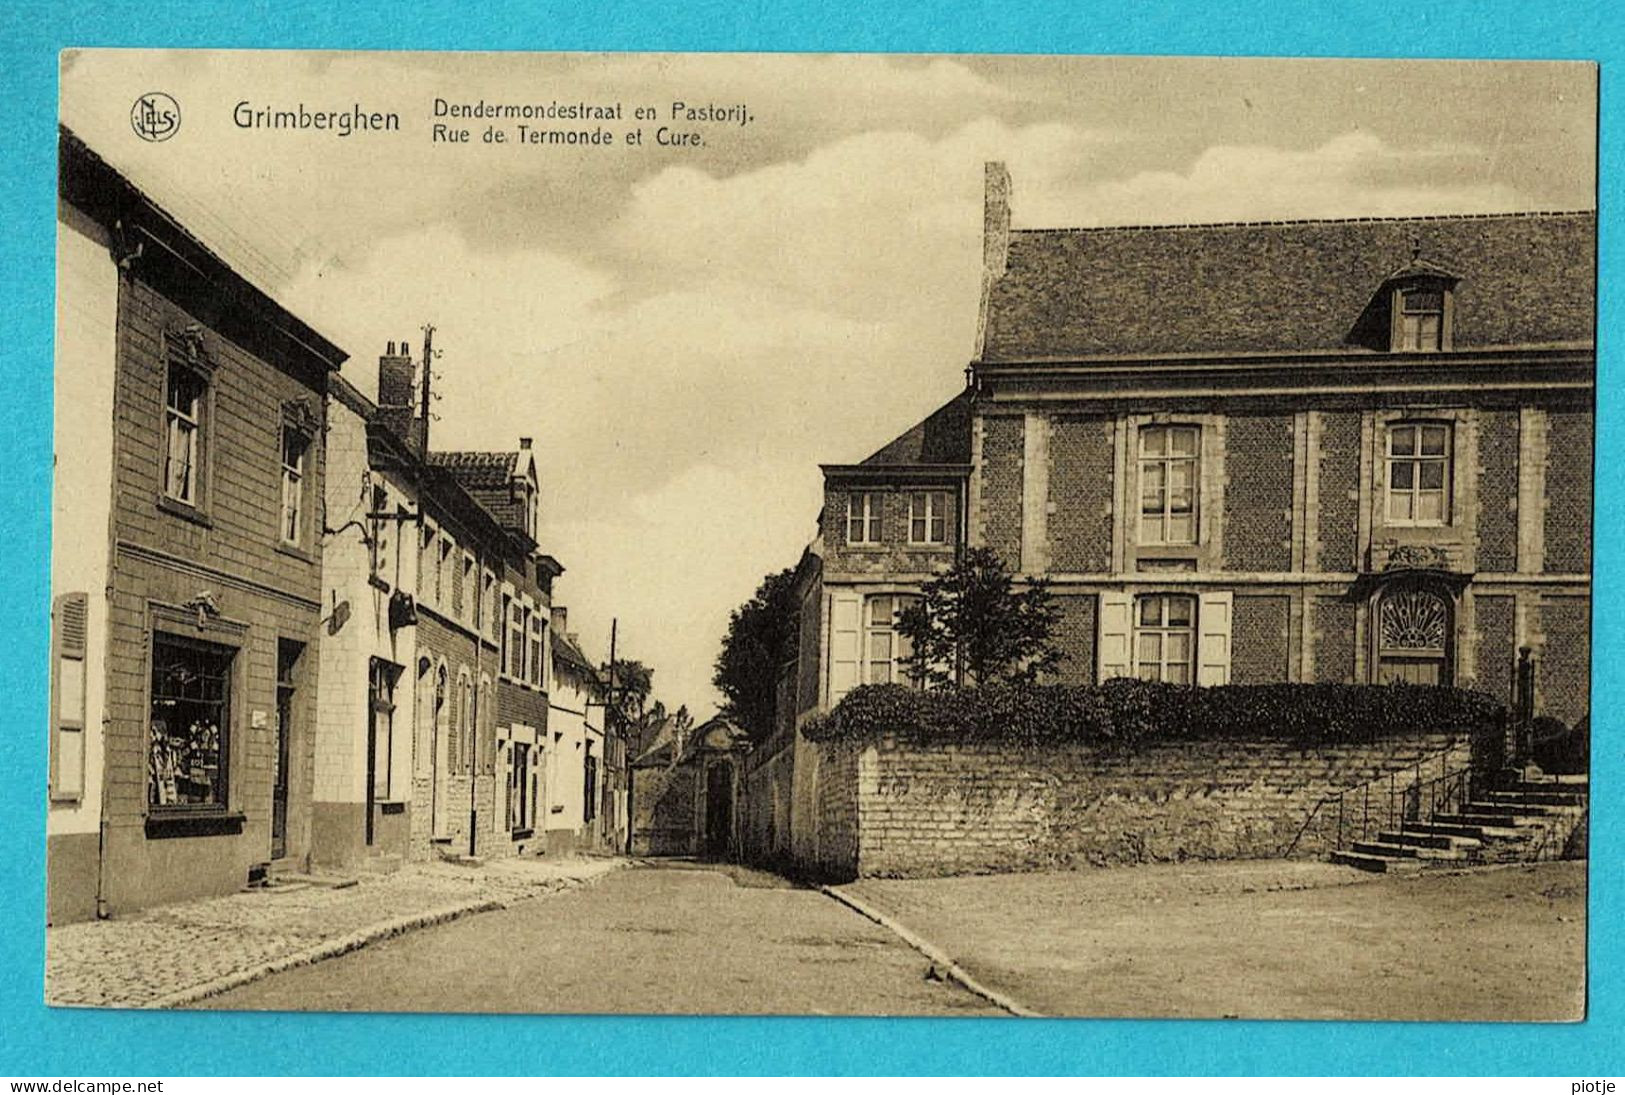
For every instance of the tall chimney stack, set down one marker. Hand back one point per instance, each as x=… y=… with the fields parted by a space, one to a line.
x=397 y=396
x=995 y=238
x=560 y=620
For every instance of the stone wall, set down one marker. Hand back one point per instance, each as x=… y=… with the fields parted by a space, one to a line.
x=900 y=808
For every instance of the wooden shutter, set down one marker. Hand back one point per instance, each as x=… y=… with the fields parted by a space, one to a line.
x=69 y=638
x=1115 y=633
x=1213 y=639
x=845 y=644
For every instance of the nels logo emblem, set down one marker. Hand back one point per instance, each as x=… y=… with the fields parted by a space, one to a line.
x=155 y=116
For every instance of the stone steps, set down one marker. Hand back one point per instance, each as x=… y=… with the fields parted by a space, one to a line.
x=1420 y=839
x=1407 y=851
x=1501 y=825
x=1381 y=864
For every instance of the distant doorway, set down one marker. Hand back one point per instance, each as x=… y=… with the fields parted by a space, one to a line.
x=287 y=667
x=719 y=801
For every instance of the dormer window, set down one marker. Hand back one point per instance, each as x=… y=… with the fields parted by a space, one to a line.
x=1419 y=323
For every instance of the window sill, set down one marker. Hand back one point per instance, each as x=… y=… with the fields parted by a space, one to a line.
x=165 y=826
x=295 y=551
x=391 y=807
x=184 y=510
x=931 y=545
x=523 y=834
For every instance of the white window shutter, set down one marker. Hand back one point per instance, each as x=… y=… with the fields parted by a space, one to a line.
x=70 y=636
x=845 y=644
x=1213 y=641
x=1115 y=632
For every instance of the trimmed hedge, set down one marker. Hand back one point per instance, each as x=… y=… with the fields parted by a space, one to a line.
x=1123 y=712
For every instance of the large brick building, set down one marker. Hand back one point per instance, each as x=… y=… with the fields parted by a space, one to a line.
x=1323 y=450
x=186 y=559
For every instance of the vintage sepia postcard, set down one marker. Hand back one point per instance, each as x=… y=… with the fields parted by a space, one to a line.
x=822 y=534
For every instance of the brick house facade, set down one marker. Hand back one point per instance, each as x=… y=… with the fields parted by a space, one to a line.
x=1338 y=450
x=187 y=673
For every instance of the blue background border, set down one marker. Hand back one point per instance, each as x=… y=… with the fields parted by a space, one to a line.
x=40 y=1042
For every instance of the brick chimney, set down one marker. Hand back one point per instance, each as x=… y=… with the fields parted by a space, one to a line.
x=995 y=238
x=560 y=620
x=397 y=394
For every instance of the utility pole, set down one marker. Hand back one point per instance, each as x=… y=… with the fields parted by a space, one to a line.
x=423 y=405
x=613 y=721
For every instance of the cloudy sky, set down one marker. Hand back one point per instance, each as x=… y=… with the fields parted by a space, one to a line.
x=689 y=332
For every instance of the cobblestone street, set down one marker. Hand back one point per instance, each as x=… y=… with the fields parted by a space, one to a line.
x=177 y=954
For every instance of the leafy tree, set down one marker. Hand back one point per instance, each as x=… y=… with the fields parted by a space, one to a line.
x=761 y=637
x=630 y=682
x=971 y=626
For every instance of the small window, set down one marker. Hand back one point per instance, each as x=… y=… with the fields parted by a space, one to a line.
x=183 y=434
x=863 y=518
x=1421 y=319
x=1164 y=637
x=470 y=592
x=295 y=446
x=887 y=651
x=189 y=724
x=1419 y=473
x=535 y=666
x=503 y=634
x=517 y=625
x=928 y=517
x=1168 y=477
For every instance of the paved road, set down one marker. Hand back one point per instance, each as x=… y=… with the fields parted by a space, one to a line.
x=665 y=939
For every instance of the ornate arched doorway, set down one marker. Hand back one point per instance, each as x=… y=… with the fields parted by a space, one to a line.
x=1414 y=633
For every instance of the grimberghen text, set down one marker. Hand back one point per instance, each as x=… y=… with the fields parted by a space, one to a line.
x=340 y=123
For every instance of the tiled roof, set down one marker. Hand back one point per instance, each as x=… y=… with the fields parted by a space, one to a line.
x=1526 y=279
x=491 y=469
x=942 y=438
x=566 y=650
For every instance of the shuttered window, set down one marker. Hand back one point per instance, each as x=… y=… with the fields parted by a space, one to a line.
x=1153 y=636
x=845 y=644
x=70 y=615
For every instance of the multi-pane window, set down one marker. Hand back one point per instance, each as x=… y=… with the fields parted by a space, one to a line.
x=1421 y=319
x=295 y=446
x=535 y=666
x=183 y=426
x=470 y=593
x=1164 y=637
x=1418 y=473
x=863 y=518
x=887 y=651
x=502 y=633
x=517 y=617
x=189 y=722
x=928 y=517
x=1168 y=477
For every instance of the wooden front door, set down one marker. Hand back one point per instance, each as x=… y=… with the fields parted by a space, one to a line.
x=287 y=664
x=1413 y=638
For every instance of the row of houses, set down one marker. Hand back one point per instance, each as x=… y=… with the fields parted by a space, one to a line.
x=287 y=634
x=1351 y=450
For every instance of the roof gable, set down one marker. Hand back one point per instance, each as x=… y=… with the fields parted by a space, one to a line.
x=1524 y=279
x=941 y=438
